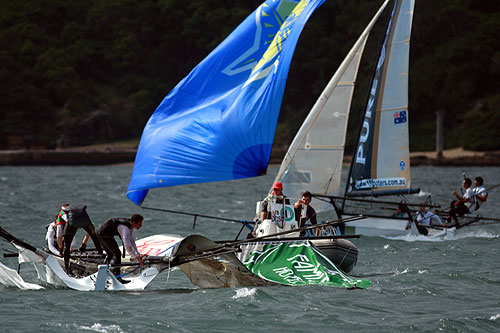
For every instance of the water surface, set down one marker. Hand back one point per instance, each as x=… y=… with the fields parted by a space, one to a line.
x=417 y=284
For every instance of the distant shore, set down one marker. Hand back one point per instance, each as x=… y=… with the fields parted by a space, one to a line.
x=111 y=154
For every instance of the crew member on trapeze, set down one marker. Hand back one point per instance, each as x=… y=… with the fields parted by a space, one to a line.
x=426 y=218
x=461 y=206
x=480 y=192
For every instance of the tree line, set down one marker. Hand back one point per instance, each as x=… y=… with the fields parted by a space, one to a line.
x=89 y=71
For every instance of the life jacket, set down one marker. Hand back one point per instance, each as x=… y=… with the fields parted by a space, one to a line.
x=77 y=216
x=59 y=218
x=110 y=227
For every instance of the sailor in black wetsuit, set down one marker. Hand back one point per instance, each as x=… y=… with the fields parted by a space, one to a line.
x=124 y=228
x=77 y=218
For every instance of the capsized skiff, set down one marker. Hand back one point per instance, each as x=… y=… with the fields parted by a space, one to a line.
x=206 y=263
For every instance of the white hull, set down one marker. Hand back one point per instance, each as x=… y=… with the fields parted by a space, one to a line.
x=376 y=226
x=390 y=227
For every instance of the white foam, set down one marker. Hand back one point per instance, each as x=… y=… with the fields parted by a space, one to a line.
x=405 y=271
x=495 y=317
x=477 y=234
x=96 y=327
x=244 y=292
x=413 y=238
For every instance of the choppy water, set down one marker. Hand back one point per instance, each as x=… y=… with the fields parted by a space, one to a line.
x=417 y=285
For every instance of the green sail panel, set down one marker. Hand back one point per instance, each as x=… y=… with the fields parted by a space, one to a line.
x=296 y=264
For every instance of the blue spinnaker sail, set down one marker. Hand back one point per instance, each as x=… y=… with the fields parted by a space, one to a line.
x=218 y=123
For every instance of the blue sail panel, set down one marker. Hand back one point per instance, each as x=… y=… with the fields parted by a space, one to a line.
x=218 y=123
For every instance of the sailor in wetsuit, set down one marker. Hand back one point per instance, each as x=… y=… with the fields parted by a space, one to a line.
x=77 y=218
x=124 y=228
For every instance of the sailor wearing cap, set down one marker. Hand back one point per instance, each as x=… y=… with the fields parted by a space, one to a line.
x=278 y=197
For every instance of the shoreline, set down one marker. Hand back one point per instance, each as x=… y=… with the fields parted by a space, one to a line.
x=109 y=154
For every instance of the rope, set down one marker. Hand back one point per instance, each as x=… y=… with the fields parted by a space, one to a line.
x=197 y=215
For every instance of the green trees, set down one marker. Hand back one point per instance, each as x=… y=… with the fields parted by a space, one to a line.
x=85 y=71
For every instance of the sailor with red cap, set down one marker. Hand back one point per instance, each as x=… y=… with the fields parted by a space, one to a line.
x=273 y=210
x=276 y=196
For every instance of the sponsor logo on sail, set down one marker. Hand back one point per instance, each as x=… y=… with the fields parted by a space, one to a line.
x=380 y=182
x=402 y=165
x=365 y=131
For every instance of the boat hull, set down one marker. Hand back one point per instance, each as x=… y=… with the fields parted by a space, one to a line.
x=392 y=227
x=376 y=226
x=342 y=252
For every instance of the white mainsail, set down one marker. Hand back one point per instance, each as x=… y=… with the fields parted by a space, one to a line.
x=313 y=161
x=381 y=163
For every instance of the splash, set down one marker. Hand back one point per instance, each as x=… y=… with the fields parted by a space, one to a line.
x=102 y=328
x=244 y=292
x=477 y=234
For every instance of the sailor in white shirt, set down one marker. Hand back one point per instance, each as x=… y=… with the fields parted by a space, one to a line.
x=480 y=193
x=426 y=218
x=461 y=206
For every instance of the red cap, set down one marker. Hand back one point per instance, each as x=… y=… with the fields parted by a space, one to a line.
x=278 y=186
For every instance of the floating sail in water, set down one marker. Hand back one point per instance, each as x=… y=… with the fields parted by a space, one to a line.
x=381 y=161
x=218 y=123
x=296 y=264
x=313 y=161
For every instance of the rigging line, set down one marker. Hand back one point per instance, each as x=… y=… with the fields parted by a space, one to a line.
x=319 y=196
x=231 y=247
x=326 y=223
x=198 y=215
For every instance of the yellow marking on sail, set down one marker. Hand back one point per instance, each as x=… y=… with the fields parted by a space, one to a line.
x=267 y=25
x=276 y=45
